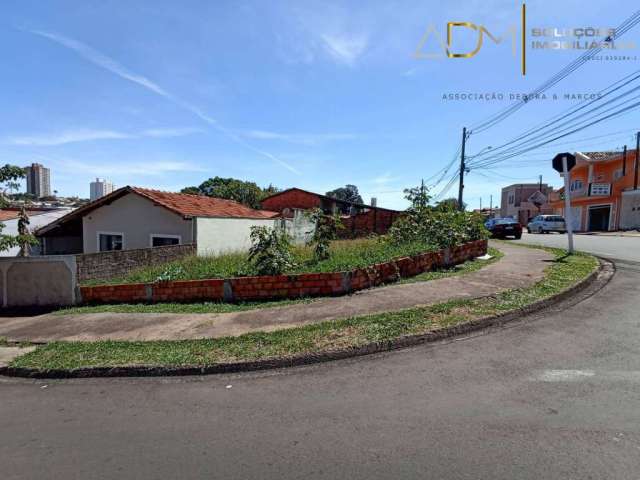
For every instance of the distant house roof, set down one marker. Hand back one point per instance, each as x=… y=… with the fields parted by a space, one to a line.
x=188 y=206
x=326 y=197
x=10 y=214
x=601 y=156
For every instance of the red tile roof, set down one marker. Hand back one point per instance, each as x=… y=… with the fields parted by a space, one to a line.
x=201 y=206
x=179 y=203
x=11 y=214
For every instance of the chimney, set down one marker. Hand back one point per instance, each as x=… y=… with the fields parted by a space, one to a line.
x=374 y=202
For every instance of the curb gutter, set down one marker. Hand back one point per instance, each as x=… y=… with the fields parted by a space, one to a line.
x=600 y=276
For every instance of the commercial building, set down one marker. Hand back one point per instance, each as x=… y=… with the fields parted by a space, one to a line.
x=523 y=201
x=38 y=180
x=604 y=192
x=100 y=188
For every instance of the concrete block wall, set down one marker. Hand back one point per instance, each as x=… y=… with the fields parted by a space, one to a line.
x=283 y=286
x=106 y=265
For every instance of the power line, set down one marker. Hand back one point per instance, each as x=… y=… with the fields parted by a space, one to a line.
x=546 y=142
x=570 y=111
x=625 y=26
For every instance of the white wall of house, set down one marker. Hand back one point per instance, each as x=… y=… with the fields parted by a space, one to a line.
x=137 y=219
x=219 y=235
x=300 y=228
x=630 y=211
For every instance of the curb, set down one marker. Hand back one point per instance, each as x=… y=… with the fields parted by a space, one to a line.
x=600 y=276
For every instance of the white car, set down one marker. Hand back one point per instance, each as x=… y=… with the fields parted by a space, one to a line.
x=546 y=224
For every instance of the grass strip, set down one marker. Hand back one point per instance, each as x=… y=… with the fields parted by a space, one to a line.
x=562 y=273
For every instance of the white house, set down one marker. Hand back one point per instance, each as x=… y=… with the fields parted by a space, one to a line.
x=132 y=218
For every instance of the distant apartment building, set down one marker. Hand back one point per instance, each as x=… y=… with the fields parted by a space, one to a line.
x=523 y=201
x=38 y=180
x=100 y=188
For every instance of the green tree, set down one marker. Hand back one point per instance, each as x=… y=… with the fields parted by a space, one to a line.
x=418 y=196
x=191 y=191
x=25 y=239
x=247 y=193
x=10 y=174
x=348 y=193
x=449 y=204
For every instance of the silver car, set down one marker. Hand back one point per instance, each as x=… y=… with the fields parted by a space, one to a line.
x=546 y=224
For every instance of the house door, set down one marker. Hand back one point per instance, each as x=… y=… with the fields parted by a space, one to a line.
x=599 y=218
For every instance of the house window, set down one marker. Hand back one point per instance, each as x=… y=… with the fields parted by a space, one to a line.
x=160 y=240
x=110 y=241
x=512 y=198
x=576 y=185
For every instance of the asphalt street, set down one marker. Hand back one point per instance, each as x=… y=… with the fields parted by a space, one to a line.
x=554 y=396
x=620 y=248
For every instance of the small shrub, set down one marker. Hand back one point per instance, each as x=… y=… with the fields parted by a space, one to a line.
x=270 y=252
x=326 y=229
x=440 y=227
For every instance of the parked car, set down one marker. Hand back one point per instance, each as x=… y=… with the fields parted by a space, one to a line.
x=546 y=224
x=504 y=227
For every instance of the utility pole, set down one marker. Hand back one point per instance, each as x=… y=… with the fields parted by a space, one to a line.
x=540 y=184
x=480 y=204
x=422 y=201
x=462 y=169
x=491 y=206
x=624 y=162
x=635 y=174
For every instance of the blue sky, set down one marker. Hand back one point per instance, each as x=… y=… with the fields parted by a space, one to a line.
x=165 y=94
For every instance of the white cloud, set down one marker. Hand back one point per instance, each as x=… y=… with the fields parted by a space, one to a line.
x=345 y=48
x=87 y=135
x=311 y=139
x=109 y=64
x=126 y=169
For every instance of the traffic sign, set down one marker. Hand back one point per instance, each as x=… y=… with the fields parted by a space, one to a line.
x=557 y=161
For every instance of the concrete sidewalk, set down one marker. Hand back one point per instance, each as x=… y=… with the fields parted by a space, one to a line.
x=520 y=267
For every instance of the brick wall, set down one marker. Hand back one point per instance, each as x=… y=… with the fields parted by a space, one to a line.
x=291 y=199
x=106 y=265
x=362 y=224
x=283 y=286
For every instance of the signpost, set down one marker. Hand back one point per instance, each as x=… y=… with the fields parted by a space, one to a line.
x=563 y=163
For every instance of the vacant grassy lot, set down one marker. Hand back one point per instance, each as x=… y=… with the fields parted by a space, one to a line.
x=351 y=332
x=345 y=255
x=221 y=307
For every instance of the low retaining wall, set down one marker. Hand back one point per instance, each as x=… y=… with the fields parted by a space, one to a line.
x=38 y=281
x=116 y=263
x=283 y=286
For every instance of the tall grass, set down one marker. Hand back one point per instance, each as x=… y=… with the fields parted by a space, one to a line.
x=345 y=255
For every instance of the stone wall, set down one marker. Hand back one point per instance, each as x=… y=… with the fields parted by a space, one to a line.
x=106 y=265
x=283 y=286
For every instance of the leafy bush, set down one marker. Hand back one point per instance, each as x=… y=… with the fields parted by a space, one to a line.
x=441 y=228
x=325 y=231
x=270 y=252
